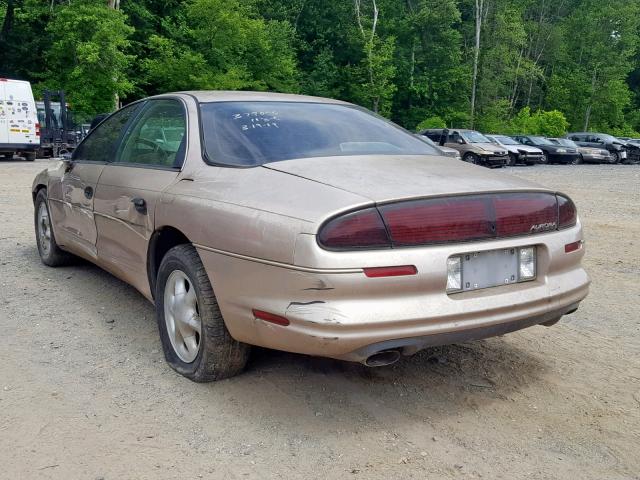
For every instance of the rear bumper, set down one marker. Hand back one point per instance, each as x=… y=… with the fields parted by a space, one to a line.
x=341 y=313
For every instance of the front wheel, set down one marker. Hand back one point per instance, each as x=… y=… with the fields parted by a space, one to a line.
x=545 y=159
x=195 y=339
x=577 y=161
x=615 y=156
x=471 y=158
x=513 y=160
x=29 y=156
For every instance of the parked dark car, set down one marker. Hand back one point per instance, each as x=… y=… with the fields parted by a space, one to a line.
x=619 y=150
x=587 y=154
x=552 y=153
x=473 y=146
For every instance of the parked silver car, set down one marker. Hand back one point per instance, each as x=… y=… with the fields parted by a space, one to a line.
x=518 y=153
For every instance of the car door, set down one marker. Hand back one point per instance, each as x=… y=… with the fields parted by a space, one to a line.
x=72 y=202
x=147 y=162
x=454 y=140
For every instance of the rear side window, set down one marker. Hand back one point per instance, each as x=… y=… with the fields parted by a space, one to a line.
x=156 y=138
x=435 y=136
x=99 y=145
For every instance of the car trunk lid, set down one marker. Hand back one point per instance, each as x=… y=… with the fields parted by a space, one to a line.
x=383 y=178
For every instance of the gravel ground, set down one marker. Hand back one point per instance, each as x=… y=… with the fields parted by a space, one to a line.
x=85 y=392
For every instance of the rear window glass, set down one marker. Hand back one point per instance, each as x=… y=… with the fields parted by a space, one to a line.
x=254 y=133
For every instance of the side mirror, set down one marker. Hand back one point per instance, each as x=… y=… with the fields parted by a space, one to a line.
x=67 y=161
x=461 y=141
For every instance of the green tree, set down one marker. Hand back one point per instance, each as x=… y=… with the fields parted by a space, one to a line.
x=87 y=56
x=222 y=44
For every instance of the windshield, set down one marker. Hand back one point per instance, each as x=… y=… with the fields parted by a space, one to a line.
x=253 y=133
x=540 y=141
x=565 y=142
x=474 y=137
x=506 y=140
x=608 y=138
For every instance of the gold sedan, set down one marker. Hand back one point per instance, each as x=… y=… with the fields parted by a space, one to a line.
x=308 y=225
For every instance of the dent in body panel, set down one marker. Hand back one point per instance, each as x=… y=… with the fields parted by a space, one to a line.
x=317 y=311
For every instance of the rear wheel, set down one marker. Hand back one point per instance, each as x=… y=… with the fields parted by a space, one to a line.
x=194 y=337
x=471 y=158
x=50 y=253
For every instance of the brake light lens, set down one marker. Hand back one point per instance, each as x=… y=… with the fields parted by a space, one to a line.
x=449 y=219
x=567 y=212
x=37 y=129
x=438 y=220
x=518 y=214
x=362 y=229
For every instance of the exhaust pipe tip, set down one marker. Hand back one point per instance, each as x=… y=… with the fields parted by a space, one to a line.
x=383 y=358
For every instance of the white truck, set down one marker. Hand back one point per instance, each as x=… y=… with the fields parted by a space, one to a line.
x=19 y=128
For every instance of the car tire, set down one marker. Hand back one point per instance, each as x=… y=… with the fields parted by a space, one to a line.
x=513 y=160
x=29 y=156
x=577 y=161
x=204 y=356
x=544 y=160
x=615 y=157
x=472 y=158
x=50 y=253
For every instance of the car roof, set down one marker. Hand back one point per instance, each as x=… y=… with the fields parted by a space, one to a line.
x=205 y=96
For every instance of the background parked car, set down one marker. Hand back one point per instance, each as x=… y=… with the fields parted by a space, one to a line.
x=472 y=145
x=446 y=151
x=518 y=153
x=588 y=154
x=552 y=153
x=635 y=141
x=617 y=148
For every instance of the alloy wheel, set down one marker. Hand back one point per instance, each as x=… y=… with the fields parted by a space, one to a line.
x=182 y=316
x=44 y=229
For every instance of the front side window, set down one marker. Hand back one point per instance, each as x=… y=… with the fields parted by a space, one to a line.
x=254 y=133
x=99 y=145
x=157 y=136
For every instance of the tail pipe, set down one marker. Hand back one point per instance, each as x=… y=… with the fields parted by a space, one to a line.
x=383 y=358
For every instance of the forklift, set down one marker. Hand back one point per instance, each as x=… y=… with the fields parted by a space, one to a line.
x=58 y=134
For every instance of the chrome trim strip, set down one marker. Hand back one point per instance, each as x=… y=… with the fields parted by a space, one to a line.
x=279 y=264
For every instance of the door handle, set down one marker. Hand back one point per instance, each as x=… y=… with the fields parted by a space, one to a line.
x=140 y=205
x=88 y=192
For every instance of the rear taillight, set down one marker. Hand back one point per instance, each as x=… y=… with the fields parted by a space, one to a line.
x=438 y=220
x=361 y=229
x=522 y=213
x=37 y=129
x=449 y=219
x=567 y=212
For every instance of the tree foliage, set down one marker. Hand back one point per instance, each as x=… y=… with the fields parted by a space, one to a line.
x=542 y=66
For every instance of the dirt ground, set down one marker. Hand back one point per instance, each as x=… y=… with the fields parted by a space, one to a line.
x=85 y=392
